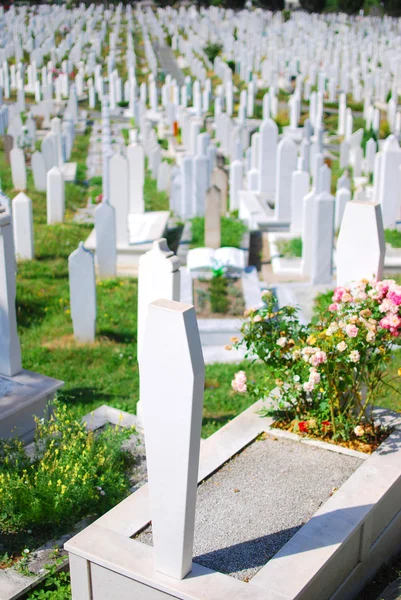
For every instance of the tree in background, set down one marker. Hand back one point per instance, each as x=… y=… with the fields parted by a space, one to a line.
x=271 y=4
x=392 y=7
x=315 y=6
x=350 y=6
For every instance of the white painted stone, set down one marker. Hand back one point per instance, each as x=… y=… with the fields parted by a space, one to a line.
x=371 y=148
x=344 y=154
x=212 y=218
x=360 y=245
x=158 y=277
x=81 y=269
x=267 y=158
x=18 y=169
x=106 y=241
x=136 y=177
x=201 y=180
x=23 y=226
x=10 y=350
x=343 y=195
x=38 y=171
x=220 y=180
x=299 y=189
x=200 y=258
x=389 y=192
x=286 y=164
x=186 y=209
x=55 y=196
x=307 y=231
x=118 y=174
x=171 y=387
x=323 y=239
x=236 y=183
x=163 y=176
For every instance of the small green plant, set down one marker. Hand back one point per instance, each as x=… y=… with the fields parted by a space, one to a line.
x=56 y=586
x=393 y=237
x=290 y=248
x=212 y=50
x=74 y=473
x=218 y=290
x=123 y=104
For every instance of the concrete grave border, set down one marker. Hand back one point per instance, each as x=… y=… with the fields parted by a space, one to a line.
x=331 y=556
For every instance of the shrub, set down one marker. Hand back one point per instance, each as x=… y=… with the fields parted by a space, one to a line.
x=290 y=248
x=212 y=50
x=328 y=372
x=74 y=473
x=315 y=6
x=218 y=293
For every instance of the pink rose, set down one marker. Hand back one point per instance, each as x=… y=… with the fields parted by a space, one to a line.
x=333 y=307
x=238 y=384
x=339 y=293
x=308 y=386
x=394 y=294
x=388 y=306
x=318 y=358
x=351 y=330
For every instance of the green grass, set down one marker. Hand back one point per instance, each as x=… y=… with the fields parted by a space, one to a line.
x=393 y=237
x=232 y=232
x=290 y=248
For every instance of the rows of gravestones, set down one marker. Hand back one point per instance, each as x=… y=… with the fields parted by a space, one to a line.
x=224 y=160
x=287 y=171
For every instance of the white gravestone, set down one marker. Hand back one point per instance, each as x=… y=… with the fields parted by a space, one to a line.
x=267 y=158
x=136 y=177
x=23 y=226
x=360 y=246
x=389 y=191
x=81 y=269
x=323 y=240
x=39 y=171
x=286 y=164
x=158 y=277
x=10 y=350
x=18 y=169
x=118 y=177
x=343 y=195
x=299 y=189
x=55 y=196
x=236 y=183
x=172 y=402
x=106 y=243
x=212 y=218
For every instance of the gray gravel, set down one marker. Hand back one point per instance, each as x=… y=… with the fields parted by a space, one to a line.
x=7 y=386
x=252 y=506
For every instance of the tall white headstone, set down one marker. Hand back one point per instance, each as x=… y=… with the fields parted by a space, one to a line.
x=171 y=387
x=55 y=196
x=361 y=238
x=118 y=185
x=136 y=177
x=158 y=277
x=18 y=169
x=106 y=242
x=268 y=138
x=323 y=240
x=10 y=350
x=81 y=269
x=23 y=226
x=286 y=164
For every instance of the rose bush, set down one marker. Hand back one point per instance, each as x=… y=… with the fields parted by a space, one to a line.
x=327 y=373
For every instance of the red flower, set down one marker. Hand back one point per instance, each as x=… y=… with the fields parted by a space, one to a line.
x=303 y=426
x=326 y=424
